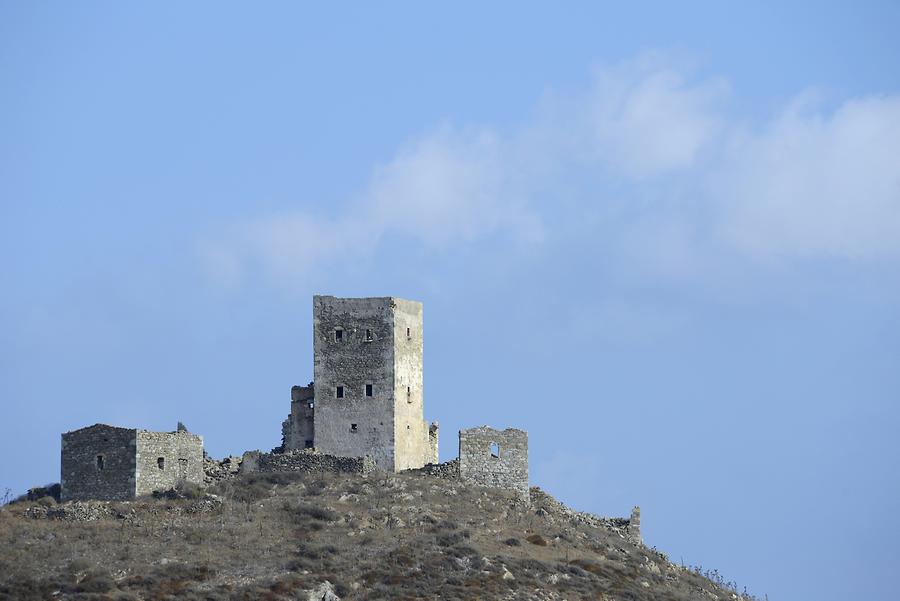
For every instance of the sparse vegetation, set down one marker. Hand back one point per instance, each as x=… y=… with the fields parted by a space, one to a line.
x=273 y=536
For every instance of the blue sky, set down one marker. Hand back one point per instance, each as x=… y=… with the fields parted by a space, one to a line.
x=664 y=240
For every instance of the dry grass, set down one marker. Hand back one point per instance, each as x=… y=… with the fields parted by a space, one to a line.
x=381 y=536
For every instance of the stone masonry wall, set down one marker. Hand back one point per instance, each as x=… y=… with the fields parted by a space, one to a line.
x=97 y=462
x=449 y=470
x=181 y=455
x=415 y=442
x=306 y=461
x=297 y=430
x=507 y=467
x=634 y=526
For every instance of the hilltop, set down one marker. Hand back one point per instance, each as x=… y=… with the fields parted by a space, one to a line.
x=280 y=536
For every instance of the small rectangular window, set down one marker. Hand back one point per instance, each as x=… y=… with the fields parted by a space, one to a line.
x=161 y=463
x=353 y=428
x=407 y=332
x=339 y=392
x=338 y=335
x=408 y=394
x=100 y=462
x=369 y=336
x=368 y=390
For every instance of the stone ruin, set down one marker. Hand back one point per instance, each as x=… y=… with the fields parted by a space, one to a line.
x=495 y=458
x=364 y=410
x=109 y=463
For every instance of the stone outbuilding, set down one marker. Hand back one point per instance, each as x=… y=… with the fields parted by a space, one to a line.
x=108 y=463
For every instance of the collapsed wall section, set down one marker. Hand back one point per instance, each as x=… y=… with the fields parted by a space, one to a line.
x=297 y=431
x=496 y=458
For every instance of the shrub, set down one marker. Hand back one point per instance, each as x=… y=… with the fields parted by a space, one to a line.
x=512 y=542
x=537 y=539
x=316 y=488
x=318 y=513
x=95 y=582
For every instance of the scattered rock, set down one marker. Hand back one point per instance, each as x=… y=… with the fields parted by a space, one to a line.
x=324 y=592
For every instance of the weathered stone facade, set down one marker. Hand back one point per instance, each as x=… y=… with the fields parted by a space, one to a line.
x=368 y=382
x=165 y=459
x=109 y=463
x=98 y=462
x=496 y=458
x=308 y=461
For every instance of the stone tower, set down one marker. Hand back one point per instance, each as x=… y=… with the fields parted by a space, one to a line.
x=368 y=381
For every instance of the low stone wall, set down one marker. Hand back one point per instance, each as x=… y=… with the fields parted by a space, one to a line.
x=627 y=528
x=449 y=470
x=307 y=461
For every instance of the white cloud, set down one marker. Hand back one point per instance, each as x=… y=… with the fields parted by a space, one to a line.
x=644 y=118
x=813 y=184
x=444 y=187
x=690 y=182
x=448 y=187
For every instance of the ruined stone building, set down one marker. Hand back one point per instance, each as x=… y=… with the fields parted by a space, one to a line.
x=496 y=458
x=109 y=463
x=366 y=397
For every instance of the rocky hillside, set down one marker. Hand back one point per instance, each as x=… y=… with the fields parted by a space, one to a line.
x=327 y=537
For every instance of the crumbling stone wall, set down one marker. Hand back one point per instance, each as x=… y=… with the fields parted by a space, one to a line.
x=550 y=508
x=307 y=461
x=634 y=526
x=449 y=470
x=97 y=462
x=217 y=471
x=165 y=459
x=496 y=458
x=297 y=430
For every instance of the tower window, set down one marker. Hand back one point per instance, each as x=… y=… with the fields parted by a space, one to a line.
x=495 y=450
x=339 y=392
x=369 y=336
x=407 y=332
x=100 y=462
x=408 y=394
x=161 y=463
x=368 y=390
x=353 y=428
x=338 y=335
